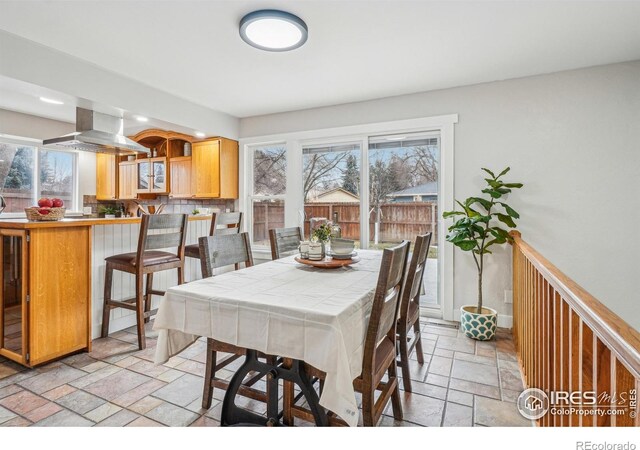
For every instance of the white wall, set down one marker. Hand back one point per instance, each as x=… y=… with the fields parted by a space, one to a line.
x=572 y=137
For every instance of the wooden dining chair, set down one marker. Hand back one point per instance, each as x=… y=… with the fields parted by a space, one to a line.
x=409 y=313
x=157 y=233
x=222 y=250
x=284 y=240
x=379 y=347
x=221 y=223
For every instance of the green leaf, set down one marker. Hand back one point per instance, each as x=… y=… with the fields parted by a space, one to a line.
x=512 y=212
x=494 y=184
x=448 y=214
x=486 y=204
x=492 y=192
x=513 y=185
x=466 y=245
x=489 y=172
x=499 y=233
x=507 y=220
x=504 y=172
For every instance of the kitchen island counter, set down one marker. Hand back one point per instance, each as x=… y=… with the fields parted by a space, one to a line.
x=23 y=224
x=52 y=282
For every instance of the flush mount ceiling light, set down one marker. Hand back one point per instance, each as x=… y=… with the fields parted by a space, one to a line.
x=200 y=134
x=273 y=30
x=51 y=101
x=141 y=119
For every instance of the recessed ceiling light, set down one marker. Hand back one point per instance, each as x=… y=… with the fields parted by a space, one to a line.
x=141 y=119
x=395 y=138
x=51 y=101
x=200 y=134
x=273 y=30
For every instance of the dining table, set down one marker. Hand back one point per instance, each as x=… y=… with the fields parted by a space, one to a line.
x=301 y=313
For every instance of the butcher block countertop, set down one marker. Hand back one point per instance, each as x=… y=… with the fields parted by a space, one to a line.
x=23 y=224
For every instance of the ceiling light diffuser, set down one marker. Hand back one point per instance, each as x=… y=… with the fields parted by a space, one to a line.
x=273 y=30
x=51 y=101
x=200 y=134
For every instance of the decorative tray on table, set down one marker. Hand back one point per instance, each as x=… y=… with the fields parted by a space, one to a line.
x=328 y=263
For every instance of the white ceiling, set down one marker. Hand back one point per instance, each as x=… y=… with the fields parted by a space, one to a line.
x=357 y=50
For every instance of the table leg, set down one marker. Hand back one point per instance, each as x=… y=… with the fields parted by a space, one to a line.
x=233 y=415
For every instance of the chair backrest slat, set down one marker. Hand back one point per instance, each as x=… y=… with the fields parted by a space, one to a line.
x=415 y=274
x=284 y=240
x=162 y=231
x=224 y=250
x=384 y=312
x=164 y=240
x=225 y=223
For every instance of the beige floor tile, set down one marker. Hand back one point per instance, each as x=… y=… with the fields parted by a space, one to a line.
x=44 y=411
x=496 y=413
x=478 y=373
x=456 y=415
x=22 y=402
x=102 y=412
x=172 y=415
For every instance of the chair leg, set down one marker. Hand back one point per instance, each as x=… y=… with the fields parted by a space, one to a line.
x=210 y=372
x=180 y=275
x=418 y=337
x=106 y=312
x=147 y=296
x=368 y=407
x=396 y=403
x=404 y=358
x=140 y=311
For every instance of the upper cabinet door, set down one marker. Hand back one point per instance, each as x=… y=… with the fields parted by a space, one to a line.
x=206 y=168
x=106 y=177
x=127 y=180
x=181 y=177
x=152 y=176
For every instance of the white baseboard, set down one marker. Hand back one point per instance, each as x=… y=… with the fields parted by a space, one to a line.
x=505 y=321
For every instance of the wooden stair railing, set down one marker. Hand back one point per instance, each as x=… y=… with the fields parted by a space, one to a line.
x=567 y=340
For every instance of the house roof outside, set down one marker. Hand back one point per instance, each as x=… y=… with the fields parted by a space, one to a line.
x=335 y=195
x=430 y=188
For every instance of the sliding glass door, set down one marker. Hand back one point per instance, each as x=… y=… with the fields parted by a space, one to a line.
x=403 y=186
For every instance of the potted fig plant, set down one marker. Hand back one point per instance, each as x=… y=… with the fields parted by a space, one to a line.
x=482 y=223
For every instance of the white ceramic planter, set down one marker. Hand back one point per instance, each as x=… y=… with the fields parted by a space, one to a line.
x=481 y=327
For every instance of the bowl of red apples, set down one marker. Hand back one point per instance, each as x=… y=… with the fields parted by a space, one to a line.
x=47 y=209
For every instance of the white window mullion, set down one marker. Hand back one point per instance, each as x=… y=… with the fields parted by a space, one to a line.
x=364 y=193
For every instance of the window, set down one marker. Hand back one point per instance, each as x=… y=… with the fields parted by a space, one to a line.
x=28 y=173
x=331 y=184
x=269 y=189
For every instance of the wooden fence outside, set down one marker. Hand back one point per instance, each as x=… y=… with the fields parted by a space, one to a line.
x=399 y=220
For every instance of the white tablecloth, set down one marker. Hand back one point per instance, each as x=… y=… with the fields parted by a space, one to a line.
x=281 y=308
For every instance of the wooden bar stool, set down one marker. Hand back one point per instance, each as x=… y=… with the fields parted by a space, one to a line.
x=156 y=232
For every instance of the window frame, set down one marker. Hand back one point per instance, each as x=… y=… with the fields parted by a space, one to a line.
x=36 y=186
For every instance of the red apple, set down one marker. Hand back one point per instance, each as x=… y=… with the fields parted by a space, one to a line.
x=57 y=203
x=44 y=211
x=45 y=202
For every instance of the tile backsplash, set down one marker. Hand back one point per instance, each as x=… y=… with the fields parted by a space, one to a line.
x=172 y=205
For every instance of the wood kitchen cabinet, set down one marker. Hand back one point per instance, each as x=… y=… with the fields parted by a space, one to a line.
x=215 y=168
x=181 y=181
x=128 y=180
x=106 y=177
x=45 y=298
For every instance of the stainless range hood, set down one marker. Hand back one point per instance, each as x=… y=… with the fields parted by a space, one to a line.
x=99 y=133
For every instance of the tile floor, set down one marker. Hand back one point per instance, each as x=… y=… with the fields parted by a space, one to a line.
x=462 y=383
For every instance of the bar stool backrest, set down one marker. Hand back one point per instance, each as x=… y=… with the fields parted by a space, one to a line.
x=230 y=222
x=162 y=231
